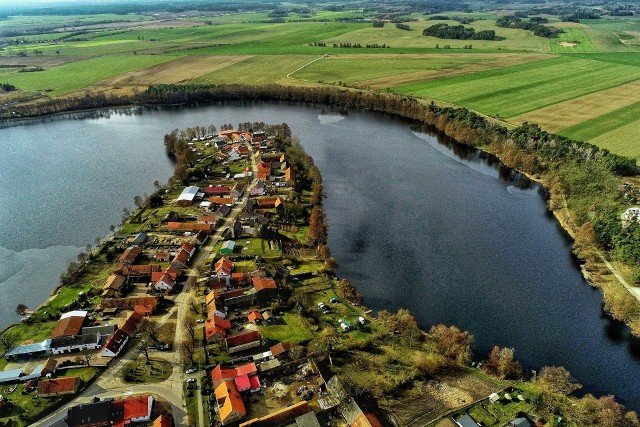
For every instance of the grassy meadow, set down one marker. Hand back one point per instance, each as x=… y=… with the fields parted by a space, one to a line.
x=580 y=84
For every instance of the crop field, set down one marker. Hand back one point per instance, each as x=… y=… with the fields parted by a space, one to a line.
x=581 y=83
x=511 y=91
x=380 y=71
x=80 y=74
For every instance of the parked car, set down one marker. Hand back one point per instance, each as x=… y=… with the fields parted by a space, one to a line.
x=191 y=380
x=190 y=371
x=200 y=321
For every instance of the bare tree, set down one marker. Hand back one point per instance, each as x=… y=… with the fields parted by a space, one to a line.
x=189 y=324
x=144 y=349
x=150 y=328
x=188 y=351
x=88 y=357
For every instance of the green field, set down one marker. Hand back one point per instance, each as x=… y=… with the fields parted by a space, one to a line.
x=517 y=77
x=511 y=91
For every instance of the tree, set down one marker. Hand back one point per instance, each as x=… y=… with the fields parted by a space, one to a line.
x=317 y=232
x=502 y=363
x=602 y=412
x=7 y=340
x=88 y=357
x=20 y=309
x=452 y=343
x=150 y=329
x=189 y=324
x=556 y=379
x=58 y=52
x=144 y=349
x=188 y=351
x=138 y=201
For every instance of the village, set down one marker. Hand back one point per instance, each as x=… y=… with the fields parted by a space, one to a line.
x=209 y=295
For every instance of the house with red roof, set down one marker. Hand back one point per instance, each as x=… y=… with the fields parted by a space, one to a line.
x=216 y=326
x=138 y=271
x=280 y=349
x=208 y=218
x=218 y=190
x=137 y=409
x=268 y=202
x=230 y=405
x=181 y=259
x=129 y=255
x=165 y=283
x=220 y=374
x=255 y=316
x=216 y=309
x=282 y=417
x=193 y=227
x=223 y=267
x=266 y=289
x=243 y=341
x=58 y=386
x=113 y=285
x=115 y=344
x=131 y=324
x=69 y=324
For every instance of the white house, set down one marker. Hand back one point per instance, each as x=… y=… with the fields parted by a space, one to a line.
x=165 y=283
x=115 y=344
x=61 y=345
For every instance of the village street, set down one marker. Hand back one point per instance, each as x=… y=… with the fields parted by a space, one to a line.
x=111 y=383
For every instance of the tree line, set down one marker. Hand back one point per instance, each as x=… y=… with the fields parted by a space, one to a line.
x=458 y=32
x=538 y=29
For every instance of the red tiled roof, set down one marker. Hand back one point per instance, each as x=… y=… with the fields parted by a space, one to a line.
x=255 y=315
x=260 y=282
x=224 y=265
x=190 y=226
x=182 y=257
x=138 y=270
x=68 y=326
x=219 y=374
x=242 y=382
x=58 y=386
x=187 y=246
x=219 y=189
x=130 y=254
x=221 y=200
x=114 y=282
x=248 y=369
x=131 y=324
x=137 y=407
x=116 y=341
x=128 y=303
x=216 y=325
x=278 y=349
x=244 y=338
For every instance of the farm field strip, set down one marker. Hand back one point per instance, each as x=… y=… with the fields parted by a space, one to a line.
x=380 y=71
x=180 y=70
x=624 y=139
x=579 y=110
x=606 y=123
x=572 y=40
x=512 y=91
x=257 y=70
x=81 y=74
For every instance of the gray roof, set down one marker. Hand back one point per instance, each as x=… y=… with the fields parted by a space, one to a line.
x=74 y=340
x=102 y=330
x=466 y=421
x=29 y=349
x=520 y=422
x=140 y=237
x=10 y=375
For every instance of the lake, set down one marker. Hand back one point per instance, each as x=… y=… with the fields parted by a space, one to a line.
x=415 y=221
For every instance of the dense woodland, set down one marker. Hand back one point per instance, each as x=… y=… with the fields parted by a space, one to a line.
x=458 y=32
x=532 y=25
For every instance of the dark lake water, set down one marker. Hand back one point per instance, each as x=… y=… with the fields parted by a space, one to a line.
x=415 y=221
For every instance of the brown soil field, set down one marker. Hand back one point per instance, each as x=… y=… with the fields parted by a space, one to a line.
x=180 y=70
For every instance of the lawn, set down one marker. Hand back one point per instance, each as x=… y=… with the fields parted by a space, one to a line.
x=572 y=40
x=139 y=372
x=256 y=246
x=293 y=330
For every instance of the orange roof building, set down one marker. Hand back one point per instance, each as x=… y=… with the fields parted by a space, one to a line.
x=193 y=227
x=254 y=316
x=269 y=202
x=288 y=177
x=216 y=325
x=260 y=283
x=163 y=421
x=69 y=324
x=223 y=267
x=231 y=406
x=215 y=200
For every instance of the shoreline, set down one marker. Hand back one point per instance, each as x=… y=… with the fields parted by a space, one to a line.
x=562 y=216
